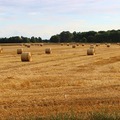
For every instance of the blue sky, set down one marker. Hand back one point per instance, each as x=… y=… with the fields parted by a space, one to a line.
x=44 y=18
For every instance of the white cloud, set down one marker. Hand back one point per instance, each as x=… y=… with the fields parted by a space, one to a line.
x=45 y=18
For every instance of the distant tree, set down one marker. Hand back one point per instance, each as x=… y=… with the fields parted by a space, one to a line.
x=32 y=39
x=26 y=40
x=91 y=39
x=114 y=36
x=45 y=40
x=77 y=36
x=55 y=39
x=66 y=36
x=39 y=39
x=84 y=40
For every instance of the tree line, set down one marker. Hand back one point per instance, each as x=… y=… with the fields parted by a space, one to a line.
x=111 y=36
x=18 y=39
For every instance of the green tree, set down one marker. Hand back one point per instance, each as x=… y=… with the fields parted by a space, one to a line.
x=66 y=36
x=32 y=39
x=55 y=39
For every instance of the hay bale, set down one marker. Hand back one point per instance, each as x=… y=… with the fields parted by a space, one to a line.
x=19 y=51
x=73 y=46
x=83 y=44
x=92 y=46
x=68 y=44
x=77 y=44
x=41 y=44
x=1 y=50
x=26 y=56
x=28 y=46
x=25 y=45
x=62 y=44
x=90 y=51
x=48 y=51
x=21 y=44
x=97 y=44
x=108 y=45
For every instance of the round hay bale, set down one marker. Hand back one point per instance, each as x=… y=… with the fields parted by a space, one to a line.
x=108 y=45
x=41 y=44
x=19 y=51
x=73 y=46
x=28 y=46
x=97 y=44
x=77 y=44
x=92 y=46
x=26 y=56
x=25 y=45
x=90 y=51
x=48 y=51
x=83 y=44
x=68 y=44
x=62 y=44
x=1 y=50
x=21 y=44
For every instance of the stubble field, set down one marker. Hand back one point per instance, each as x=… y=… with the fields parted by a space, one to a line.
x=64 y=81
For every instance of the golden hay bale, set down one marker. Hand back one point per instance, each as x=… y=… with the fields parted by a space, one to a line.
x=90 y=51
x=98 y=44
x=48 y=51
x=62 y=44
x=77 y=44
x=41 y=44
x=19 y=51
x=26 y=56
x=21 y=44
x=28 y=46
x=118 y=43
x=92 y=46
x=25 y=44
x=83 y=44
x=68 y=44
x=73 y=46
x=108 y=45
x=1 y=50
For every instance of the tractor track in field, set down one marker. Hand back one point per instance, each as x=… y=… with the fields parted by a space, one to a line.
x=83 y=68
x=53 y=102
x=36 y=63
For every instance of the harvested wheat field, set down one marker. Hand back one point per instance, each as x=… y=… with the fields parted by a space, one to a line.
x=66 y=80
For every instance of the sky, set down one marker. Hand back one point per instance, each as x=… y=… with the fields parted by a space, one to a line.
x=44 y=18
